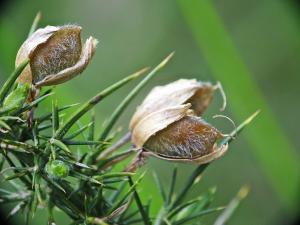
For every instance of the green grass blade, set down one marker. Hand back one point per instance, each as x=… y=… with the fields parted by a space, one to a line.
x=227 y=66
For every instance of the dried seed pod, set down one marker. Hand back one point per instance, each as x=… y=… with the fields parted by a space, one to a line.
x=189 y=139
x=56 y=55
x=199 y=94
x=167 y=125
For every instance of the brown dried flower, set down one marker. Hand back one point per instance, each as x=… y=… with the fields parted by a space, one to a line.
x=56 y=55
x=167 y=123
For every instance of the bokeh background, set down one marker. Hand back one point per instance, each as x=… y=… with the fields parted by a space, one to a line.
x=252 y=47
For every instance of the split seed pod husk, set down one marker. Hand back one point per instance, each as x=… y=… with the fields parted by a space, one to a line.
x=199 y=94
x=167 y=124
x=56 y=55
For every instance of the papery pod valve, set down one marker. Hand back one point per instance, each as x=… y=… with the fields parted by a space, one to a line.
x=55 y=55
x=167 y=124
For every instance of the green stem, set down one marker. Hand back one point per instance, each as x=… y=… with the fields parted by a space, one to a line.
x=199 y=170
x=268 y=140
x=121 y=107
x=12 y=78
x=35 y=23
x=93 y=101
x=138 y=201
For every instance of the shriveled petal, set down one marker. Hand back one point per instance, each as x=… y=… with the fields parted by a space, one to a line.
x=188 y=137
x=157 y=121
x=173 y=94
x=87 y=53
x=215 y=154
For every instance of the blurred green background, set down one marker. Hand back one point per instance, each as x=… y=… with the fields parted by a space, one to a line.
x=252 y=47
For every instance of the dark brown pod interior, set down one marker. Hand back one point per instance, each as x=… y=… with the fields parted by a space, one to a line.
x=189 y=137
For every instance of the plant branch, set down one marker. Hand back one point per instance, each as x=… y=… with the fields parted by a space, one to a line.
x=93 y=101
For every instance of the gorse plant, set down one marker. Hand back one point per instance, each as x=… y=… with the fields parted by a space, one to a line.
x=37 y=152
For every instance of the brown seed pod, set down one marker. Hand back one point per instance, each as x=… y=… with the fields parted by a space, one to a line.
x=199 y=94
x=189 y=139
x=56 y=55
x=166 y=124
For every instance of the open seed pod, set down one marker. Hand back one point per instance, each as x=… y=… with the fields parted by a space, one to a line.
x=56 y=55
x=167 y=125
x=199 y=94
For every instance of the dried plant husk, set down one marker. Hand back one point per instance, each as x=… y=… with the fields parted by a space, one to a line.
x=216 y=153
x=167 y=124
x=199 y=94
x=56 y=55
x=188 y=139
x=157 y=121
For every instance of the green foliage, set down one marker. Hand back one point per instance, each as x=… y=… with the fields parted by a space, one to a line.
x=38 y=158
x=228 y=67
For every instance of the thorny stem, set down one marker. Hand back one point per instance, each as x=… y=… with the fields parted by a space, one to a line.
x=93 y=101
x=116 y=114
x=60 y=191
